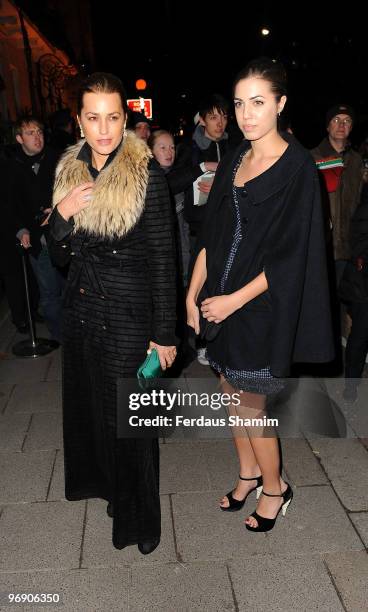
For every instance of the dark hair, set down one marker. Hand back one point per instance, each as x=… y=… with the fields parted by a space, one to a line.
x=266 y=69
x=134 y=117
x=212 y=102
x=102 y=82
x=156 y=134
x=24 y=120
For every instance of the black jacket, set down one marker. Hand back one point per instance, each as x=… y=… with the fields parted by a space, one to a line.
x=283 y=235
x=359 y=228
x=32 y=191
x=182 y=175
x=189 y=158
x=342 y=202
x=354 y=283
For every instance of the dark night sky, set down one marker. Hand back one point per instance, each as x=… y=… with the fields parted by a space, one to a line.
x=196 y=47
x=190 y=48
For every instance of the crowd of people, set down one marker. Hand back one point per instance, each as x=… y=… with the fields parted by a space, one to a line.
x=126 y=230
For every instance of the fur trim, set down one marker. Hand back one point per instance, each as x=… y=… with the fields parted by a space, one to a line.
x=120 y=190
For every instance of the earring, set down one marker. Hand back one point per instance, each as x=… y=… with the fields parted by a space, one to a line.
x=81 y=131
x=279 y=114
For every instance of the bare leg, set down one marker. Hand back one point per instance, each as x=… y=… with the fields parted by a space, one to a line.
x=257 y=455
x=248 y=468
x=267 y=452
x=248 y=465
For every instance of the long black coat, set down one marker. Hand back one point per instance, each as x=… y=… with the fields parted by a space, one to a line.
x=120 y=294
x=283 y=234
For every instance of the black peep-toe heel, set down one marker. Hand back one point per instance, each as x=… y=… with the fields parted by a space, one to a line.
x=237 y=504
x=266 y=524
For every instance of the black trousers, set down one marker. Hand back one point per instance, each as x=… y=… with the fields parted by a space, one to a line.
x=13 y=281
x=357 y=344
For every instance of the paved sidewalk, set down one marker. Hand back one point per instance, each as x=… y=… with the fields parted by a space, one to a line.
x=314 y=559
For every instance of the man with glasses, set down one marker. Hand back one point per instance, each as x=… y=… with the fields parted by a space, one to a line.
x=341 y=169
x=341 y=172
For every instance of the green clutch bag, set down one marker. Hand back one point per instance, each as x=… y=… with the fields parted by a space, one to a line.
x=149 y=369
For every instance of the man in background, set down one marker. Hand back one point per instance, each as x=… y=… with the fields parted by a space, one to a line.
x=140 y=124
x=341 y=170
x=201 y=155
x=34 y=167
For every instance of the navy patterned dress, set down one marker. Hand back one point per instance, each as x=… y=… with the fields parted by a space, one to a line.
x=255 y=381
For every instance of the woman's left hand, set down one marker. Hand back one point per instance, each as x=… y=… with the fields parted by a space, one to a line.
x=166 y=354
x=219 y=307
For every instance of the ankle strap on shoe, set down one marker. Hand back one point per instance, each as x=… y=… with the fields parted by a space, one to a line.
x=254 y=478
x=272 y=494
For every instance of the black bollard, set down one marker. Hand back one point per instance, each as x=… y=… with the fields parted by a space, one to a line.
x=33 y=347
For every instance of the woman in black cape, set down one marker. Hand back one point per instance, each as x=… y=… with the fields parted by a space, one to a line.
x=262 y=264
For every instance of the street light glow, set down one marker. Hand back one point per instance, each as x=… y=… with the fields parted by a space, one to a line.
x=140 y=84
x=265 y=31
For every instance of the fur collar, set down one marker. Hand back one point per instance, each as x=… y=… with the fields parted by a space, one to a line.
x=120 y=189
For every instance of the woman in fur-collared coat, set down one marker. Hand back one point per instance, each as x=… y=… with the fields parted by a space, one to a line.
x=112 y=221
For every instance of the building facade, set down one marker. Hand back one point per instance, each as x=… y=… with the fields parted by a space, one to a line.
x=35 y=76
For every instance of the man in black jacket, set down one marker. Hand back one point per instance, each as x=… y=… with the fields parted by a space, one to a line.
x=209 y=144
x=202 y=155
x=11 y=272
x=34 y=169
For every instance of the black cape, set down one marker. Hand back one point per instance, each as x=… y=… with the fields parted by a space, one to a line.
x=282 y=234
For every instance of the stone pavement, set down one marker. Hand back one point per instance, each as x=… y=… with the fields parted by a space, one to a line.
x=314 y=559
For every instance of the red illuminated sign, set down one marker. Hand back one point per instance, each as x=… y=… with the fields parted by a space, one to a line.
x=138 y=104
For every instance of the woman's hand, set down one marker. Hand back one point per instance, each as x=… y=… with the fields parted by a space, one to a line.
x=166 y=354
x=219 y=307
x=76 y=200
x=192 y=315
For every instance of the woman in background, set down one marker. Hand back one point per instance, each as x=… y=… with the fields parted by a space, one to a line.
x=162 y=145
